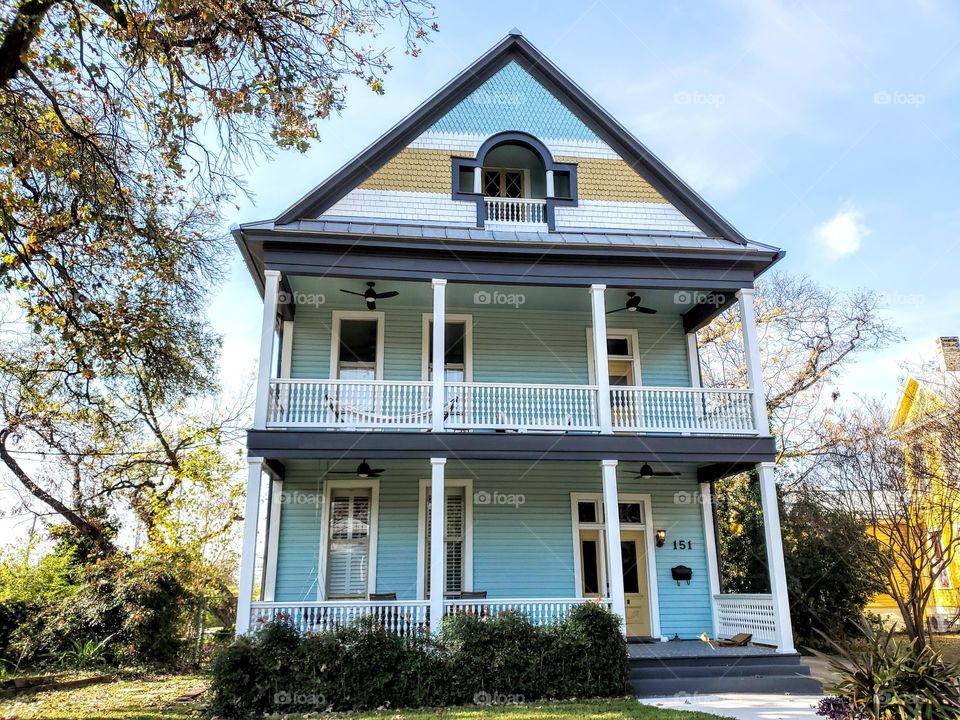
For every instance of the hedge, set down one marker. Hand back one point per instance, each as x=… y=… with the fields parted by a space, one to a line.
x=474 y=660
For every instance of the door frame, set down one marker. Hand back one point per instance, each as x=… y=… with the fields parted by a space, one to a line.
x=646 y=528
x=329 y=486
x=633 y=336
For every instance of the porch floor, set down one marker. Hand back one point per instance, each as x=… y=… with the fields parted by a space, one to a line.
x=691 y=649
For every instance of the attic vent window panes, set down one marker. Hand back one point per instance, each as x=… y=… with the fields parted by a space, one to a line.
x=503 y=183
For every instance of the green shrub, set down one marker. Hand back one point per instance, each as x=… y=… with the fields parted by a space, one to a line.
x=889 y=678
x=364 y=666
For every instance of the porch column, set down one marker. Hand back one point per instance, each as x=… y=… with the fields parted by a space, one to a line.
x=601 y=369
x=286 y=348
x=274 y=508
x=439 y=354
x=611 y=516
x=437 y=580
x=751 y=352
x=693 y=360
x=248 y=552
x=707 y=507
x=775 y=563
x=478 y=180
x=267 y=330
x=550 y=192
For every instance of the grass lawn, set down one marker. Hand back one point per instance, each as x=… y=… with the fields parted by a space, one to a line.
x=152 y=698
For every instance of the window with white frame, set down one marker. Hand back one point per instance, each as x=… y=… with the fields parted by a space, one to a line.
x=348 y=544
x=357 y=348
x=454 y=540
x=457 y=342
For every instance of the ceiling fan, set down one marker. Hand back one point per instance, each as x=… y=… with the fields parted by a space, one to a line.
x=371 y=296
x=646 y=472
x=633 y=305
x=363 y=470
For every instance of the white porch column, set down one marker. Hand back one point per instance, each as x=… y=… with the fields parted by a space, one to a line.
x=693 y=360
x=286 y=349
x=478 y=180
x=550 y=192
x=775 y=563
x=439 y=355
x=274 y=508
x=611 y=516
x=751 y=351
x=248 y=552
x=710 y=546
x=437 y=580
x=601 y=368
x=267 y=330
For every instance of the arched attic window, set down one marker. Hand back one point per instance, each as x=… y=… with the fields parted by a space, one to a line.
x=514 y=167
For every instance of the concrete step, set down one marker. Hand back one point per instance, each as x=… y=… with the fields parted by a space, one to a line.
x=658 y=672
x=782 y=684
x=791 y=660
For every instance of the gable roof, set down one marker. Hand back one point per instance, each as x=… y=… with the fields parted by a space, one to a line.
x=515 y=48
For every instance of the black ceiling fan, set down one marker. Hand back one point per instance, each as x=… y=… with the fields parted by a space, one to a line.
x=646 y=472
x=371 y=296
x=633 y=305
x=363 y=471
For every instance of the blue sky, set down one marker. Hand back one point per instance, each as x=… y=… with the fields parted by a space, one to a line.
x=827 y=129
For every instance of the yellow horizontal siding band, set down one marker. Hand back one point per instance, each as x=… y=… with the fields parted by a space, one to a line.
x=612 y=180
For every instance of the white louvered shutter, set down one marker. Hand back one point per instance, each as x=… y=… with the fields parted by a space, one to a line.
x=348 y=557
x=453 y=540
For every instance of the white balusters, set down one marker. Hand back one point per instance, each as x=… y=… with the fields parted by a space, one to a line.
x=685 y=410
x=404 y=617
x=510 y=406
x=349 y=404
x=539 y=612
x=746 y=613
x=515 y=211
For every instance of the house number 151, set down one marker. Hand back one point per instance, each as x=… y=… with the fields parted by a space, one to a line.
x=683 y=544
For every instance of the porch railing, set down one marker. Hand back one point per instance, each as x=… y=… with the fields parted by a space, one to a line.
x=403 y=617
x=746 y=613
x=685 y=410
x=539 y=612
x=503 y=406
x=349 y=404
x=406 y=405
x=515 y=211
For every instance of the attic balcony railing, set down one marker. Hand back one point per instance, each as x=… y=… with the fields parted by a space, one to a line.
x=507 y=407
x=515 y=211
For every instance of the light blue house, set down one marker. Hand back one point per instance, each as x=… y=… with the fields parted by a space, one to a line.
x=512 y=232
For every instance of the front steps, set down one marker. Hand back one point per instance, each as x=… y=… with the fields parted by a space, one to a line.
x=728 y=673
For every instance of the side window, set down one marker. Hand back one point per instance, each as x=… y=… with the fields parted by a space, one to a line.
x=357 y=349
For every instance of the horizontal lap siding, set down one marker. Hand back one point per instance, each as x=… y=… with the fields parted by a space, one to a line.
x=298 y=553
x=519 y=551
x=509 y=344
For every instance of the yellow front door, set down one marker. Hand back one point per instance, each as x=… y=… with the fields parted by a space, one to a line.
x=636 y=596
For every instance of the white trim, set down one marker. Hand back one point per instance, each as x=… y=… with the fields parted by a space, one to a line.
x=336 y=317
x=693 y=358
x=775 y=561
x=467 y=320
x=751 y=353
x=710 y=547
x=268 y=331
x=439 y=286
x=598 y=333
x=633 y=336
x=647 y=527
x=286 y=349
x=372 y=484
x=422 y=496
x=273 y=540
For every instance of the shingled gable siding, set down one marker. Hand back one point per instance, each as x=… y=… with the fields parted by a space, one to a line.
x=509 y=345
x=521 y=550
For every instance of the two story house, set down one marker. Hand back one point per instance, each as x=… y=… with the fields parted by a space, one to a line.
x=479 y=383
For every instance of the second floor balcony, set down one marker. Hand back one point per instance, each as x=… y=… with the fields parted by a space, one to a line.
x=516 y=359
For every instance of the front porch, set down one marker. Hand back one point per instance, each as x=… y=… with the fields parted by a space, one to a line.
x=342 y=541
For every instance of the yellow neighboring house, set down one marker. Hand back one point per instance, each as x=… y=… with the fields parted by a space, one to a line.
x=923 y=394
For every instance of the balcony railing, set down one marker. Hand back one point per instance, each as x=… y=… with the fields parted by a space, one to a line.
x=510 y=406
x=683 y=410
x=746 y=613
x=507 y=407
x=515 y=211
x=363 y=404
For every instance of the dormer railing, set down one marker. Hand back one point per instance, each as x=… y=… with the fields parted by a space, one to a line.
x=515 y=211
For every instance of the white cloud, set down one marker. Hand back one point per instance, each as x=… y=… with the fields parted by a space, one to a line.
x=842 y=234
